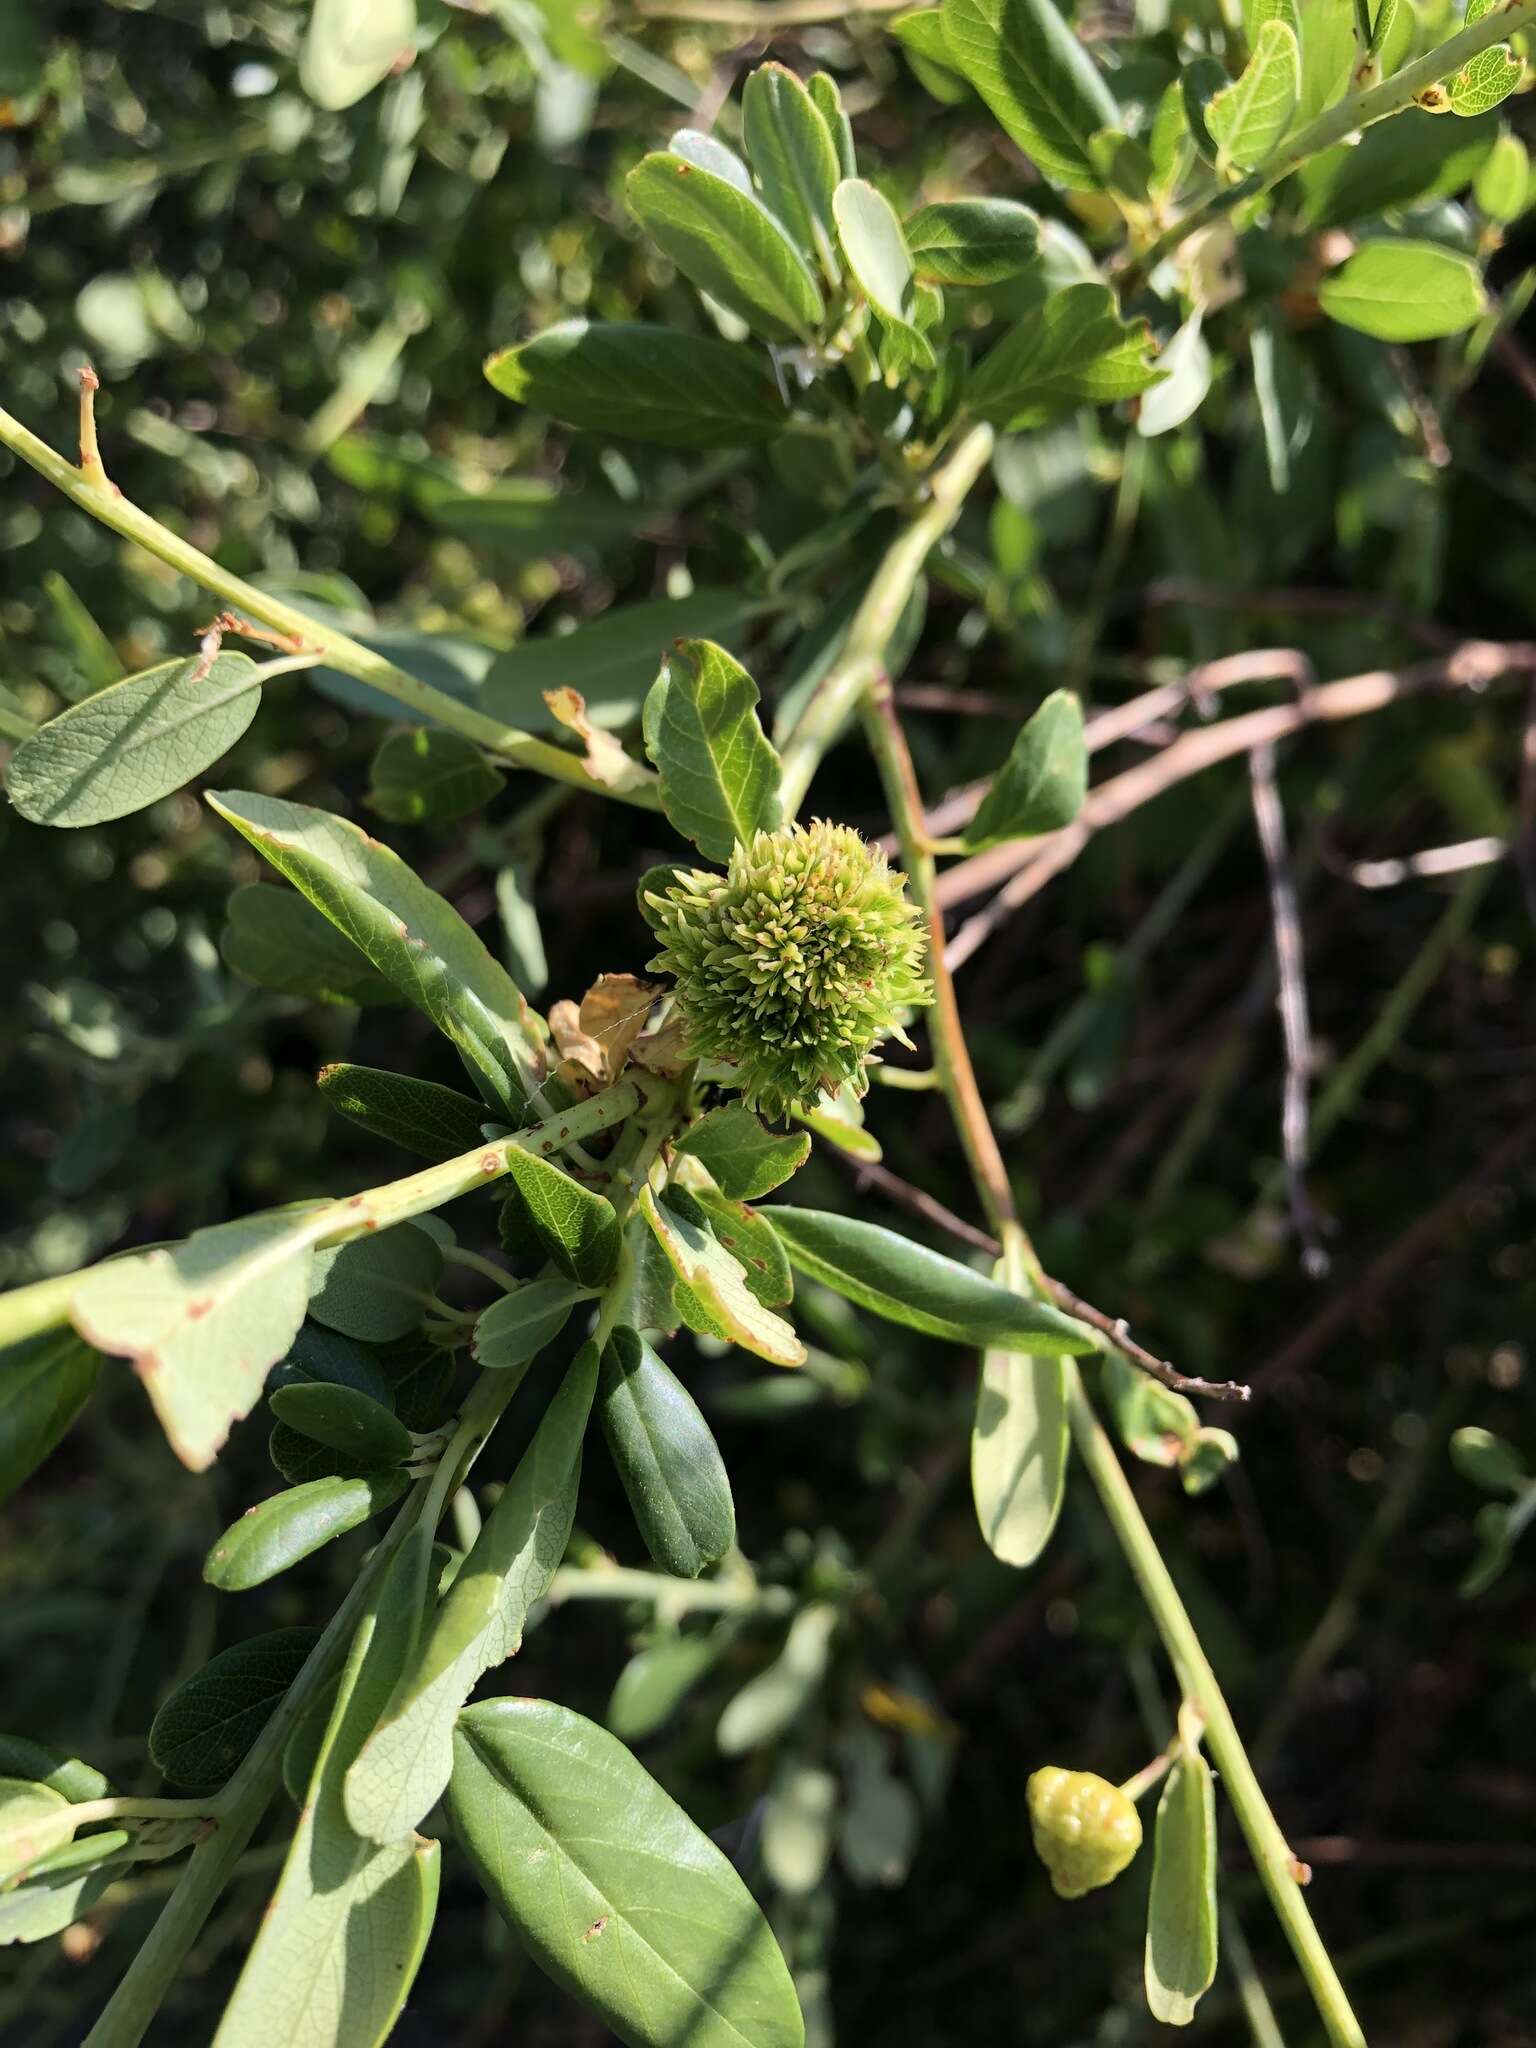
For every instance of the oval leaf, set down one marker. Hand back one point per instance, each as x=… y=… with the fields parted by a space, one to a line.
x=1403 y=290
x=1037 y=78
x=1041 y=785
x=719 y=1283
x=405 y=1763
x=203 y=1731
x=906 y=1283
x=277 y=1533
x=430 y=775
x=611 y=1886
x=1181 y=1909
x=279 y=941
x=340 y=1943
x=794 y=156
x=743 y=1158
x=719 y=772
x=972 y=241
x=351 y=46
x=371 y=1288
x=667 y=1458
x=577 y=1228
x=425 y=1117
x=204 y=1322
x=1074 y=351
x=343 y=1420
x=417 y=942
x=128 y=746
x=1248 y=117
x=1019 y=1452
x=44 y=1383
x=726 y=244
x=644 y=383
x=516 y=1329
x=768 y=1703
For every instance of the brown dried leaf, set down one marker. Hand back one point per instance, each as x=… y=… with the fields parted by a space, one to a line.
x=606 y=760
x=614 y=1011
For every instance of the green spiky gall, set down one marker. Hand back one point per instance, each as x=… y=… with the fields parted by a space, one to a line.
x=795 y=963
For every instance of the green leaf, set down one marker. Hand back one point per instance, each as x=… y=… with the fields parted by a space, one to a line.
x=279 y=1532
x=611 y=661
x=881 y=1822
x=1414 y=156
x=906 y=1283
x=34 y=1821
x=514 y=1330
x=720 y=1284
x=1251 y=115
x=644 y=383
x=1405 y=291
x=877 y=255
x=921 y=35
x=1181 y=1909
x=1074 y=351
x=794 y=156
x=44 y=1383
x=201 y=1734
x=744 y=1159
x=1484 y=81
x=204 y=1322
x=747 y=1235
x=656 y=1681
x=767 y=1704
x=280 y=941
x=53 y=1900
x=127 y=746
x=55 y=1768
x=1019 y=1452
x=1041 y=785
x=344 y=1420
x=973 y=241
x=351 y=46
x=726 y=244
x=1037 y=78
x=522 y=943
x=577 y=1228
x=1329 y=52
x=799 y=1823
x=828 y=102
x=711 y=154
x=437 y=1122
x=405 y=1763
x=719 y=773
x=340 y=1943
x=611 y=1887
x=1480 y=1457
x=317 y=1353
x=371 y=1288
x=1502 y=187
x=417 y=942
x=667 y=1458
x=430 y=775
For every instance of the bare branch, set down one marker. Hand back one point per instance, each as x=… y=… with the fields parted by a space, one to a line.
x=1295 y=1023
x=1025 y=866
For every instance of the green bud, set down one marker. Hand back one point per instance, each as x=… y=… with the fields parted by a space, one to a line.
x=793 y=964
x=1086 y=1830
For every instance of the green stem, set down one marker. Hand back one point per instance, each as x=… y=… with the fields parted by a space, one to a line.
x=237 y=1814
x=1356 y=110
x=1268 y=1846
x=89 y=488
x=1021 y=1269
x=874 y=623
x=45 y=1304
